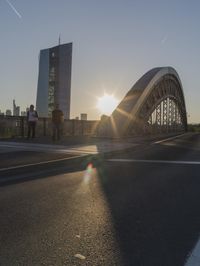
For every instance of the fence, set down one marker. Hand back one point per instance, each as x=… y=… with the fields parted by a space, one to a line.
x=16 y=126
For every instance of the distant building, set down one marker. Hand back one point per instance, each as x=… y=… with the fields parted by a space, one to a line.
x=76 y=118
x=16 y=109
x=54 y=80
x=8 y=112
x=83 y=116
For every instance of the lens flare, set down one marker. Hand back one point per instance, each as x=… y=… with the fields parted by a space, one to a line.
x=88 y=173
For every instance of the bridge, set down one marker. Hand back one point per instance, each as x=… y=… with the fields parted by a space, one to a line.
x=155 y=104
x=105 y=201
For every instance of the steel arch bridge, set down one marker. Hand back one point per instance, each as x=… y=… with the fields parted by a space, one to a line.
x=154 y=105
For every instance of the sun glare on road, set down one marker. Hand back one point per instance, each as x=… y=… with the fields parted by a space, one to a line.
x=106 y=104
x=88 y=173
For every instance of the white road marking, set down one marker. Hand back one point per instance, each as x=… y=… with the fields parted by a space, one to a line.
x=76 y=150
x=171 y=138
x=40 y=163
x=153 y=161
x=194 y=258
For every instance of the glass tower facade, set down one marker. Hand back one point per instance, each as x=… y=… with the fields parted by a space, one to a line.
x=54 y=80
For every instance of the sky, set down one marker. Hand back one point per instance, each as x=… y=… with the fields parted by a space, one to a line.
x=114 y=43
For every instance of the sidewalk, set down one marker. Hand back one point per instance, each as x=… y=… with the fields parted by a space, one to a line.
x=72 y=146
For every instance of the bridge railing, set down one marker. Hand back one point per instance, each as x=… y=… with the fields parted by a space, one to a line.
x=16 y=126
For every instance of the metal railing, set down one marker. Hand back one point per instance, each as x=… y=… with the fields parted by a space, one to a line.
x=16 y=126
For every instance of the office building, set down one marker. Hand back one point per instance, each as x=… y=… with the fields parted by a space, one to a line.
x=54 y=80
x=83 y=116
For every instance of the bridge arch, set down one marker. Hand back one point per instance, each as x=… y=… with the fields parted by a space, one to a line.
x=155 y=104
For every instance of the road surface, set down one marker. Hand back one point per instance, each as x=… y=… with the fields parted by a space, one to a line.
x=137 y=207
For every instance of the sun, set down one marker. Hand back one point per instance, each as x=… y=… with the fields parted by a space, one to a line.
x=107 y=104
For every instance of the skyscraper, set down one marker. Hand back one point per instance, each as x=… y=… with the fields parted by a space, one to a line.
x=16 y=109
x=54 y=80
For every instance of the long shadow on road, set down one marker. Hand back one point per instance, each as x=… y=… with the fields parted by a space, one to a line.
x=155 y=211
x=154 y=207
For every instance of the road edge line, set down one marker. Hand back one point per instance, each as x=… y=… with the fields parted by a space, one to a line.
x=41 y=163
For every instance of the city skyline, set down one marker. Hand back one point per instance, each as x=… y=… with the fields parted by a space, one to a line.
x=115 y=43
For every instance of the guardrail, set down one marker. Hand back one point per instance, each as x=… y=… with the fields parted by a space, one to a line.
x=16 y=126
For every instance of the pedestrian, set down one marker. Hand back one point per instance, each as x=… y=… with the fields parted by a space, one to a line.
x=57 y=120
x=32 y=118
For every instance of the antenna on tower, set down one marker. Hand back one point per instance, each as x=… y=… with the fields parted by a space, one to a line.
x=59 y=40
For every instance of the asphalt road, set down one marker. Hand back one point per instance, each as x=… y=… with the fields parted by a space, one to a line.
x=140 y=207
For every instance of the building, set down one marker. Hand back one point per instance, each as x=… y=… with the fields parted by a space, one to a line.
x=54 y=80
x=8 y=112
x=83 y=116
x=16 y=109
